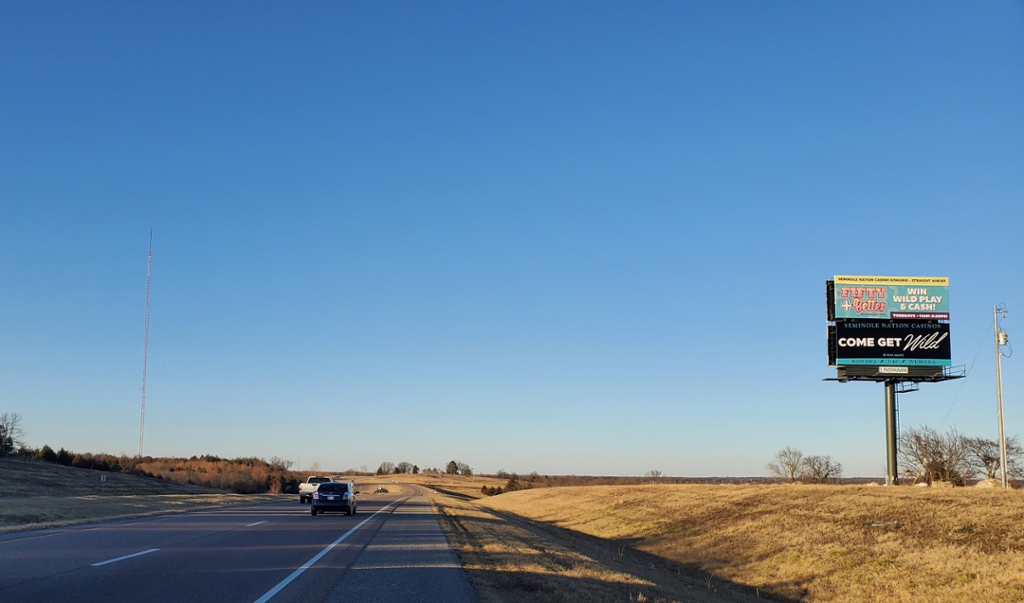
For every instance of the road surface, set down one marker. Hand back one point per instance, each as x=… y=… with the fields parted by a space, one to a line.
x=392 y=550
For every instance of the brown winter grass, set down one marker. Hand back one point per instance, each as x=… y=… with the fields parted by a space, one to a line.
x=20 y=478
x=54 y=511
x=467 y=487
x=809 y=543
x=42 y=495
x=510 y=560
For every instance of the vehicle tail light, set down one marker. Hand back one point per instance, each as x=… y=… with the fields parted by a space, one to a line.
x=316 y=496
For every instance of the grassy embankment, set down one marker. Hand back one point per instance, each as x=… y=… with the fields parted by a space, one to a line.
x=806 y=543
x=35 y=494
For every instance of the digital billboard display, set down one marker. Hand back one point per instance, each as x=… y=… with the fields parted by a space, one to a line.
x=891 y=297
x=892 y=343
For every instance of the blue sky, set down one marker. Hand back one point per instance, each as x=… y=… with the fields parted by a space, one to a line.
x=583 y=238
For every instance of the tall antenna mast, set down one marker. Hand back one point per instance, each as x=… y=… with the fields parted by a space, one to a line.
x=145 y=345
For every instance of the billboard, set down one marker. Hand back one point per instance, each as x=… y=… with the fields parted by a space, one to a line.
x=891 y=297
x=891 y=343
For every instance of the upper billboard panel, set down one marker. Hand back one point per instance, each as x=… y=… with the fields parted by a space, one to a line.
x=892 y=297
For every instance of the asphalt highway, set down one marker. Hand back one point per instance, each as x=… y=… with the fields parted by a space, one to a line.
x=392 y=550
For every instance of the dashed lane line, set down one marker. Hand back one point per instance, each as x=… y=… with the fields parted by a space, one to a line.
x=115 y=560
x=283 y=583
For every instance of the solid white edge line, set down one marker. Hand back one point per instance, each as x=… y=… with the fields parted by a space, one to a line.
x=125 y=557
x=283 y=583
x=255 y=524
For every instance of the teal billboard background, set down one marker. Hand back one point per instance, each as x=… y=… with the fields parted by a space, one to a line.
x=887 y=301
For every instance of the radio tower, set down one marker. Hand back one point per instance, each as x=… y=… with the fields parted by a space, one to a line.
x=145 y=345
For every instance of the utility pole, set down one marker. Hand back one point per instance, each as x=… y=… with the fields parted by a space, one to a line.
x=1001 y=339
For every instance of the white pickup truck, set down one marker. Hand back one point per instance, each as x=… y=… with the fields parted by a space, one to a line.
x=309 y=486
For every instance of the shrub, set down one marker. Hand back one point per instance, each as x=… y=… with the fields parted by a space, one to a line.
x=47 y=454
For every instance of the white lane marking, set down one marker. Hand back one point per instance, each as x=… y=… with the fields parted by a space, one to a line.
x=283 y=583
x=125 y=557
x=255 y=524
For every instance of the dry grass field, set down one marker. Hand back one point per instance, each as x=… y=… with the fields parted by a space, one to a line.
x=41 y=495
x=457 y=485
x=800 y=543
x=512 y=560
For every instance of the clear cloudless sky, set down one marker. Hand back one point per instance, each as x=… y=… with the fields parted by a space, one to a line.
x=564 y=237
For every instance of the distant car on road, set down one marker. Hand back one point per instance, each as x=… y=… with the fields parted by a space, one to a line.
x=307 y=488
x=334 y=496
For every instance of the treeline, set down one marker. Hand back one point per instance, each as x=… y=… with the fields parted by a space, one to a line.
x=511 y=485
x=245 y=475
x=955 y=458
x=100 y=462
x=454 y=468
x=389 y=468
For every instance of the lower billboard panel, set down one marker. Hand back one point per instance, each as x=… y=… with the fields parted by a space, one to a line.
x=857 y=372
x=892 y=343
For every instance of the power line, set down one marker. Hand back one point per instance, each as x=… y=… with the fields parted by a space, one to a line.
x=964 y=382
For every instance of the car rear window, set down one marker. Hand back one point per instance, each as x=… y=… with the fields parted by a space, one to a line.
x=319 y=480
x=331 y=487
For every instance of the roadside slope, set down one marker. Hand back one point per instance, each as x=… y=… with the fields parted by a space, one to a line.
x=814 y=543
x=35 y=494
x=510 y=559
x=19 y=478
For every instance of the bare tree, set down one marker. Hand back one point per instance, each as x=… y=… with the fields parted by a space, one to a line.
x=938 y=457
x=386 y=468
x=819 y=469
x=12 y=436
x=279 y=464
x=465 y=469
x=315 y=468
x=653 y=476
x=788 y=463
x=984 y=457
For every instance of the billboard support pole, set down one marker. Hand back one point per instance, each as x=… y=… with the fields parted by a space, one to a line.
x=890 y=433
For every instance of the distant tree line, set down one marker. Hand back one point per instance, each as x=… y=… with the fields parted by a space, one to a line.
x=247 y=475
x=458 y=468
x=925 y=455
x=453 y=468
x=389 y=468
x=791 y=464
x=511 y=485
